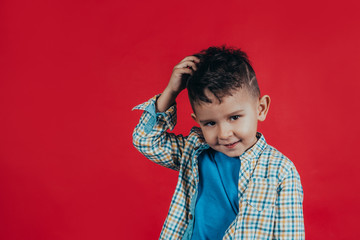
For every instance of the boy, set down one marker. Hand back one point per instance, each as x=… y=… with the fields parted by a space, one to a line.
x=231 y=184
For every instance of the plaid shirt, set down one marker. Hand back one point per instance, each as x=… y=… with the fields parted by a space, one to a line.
x=269 y=187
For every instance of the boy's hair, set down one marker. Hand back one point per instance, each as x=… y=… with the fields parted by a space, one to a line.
x=221 y=70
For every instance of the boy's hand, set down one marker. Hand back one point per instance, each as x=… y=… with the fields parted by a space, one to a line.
x=187 y=66
x=176 y=83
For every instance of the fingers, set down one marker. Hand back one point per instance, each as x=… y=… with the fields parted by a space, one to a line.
x=191 y=58
x=183 y=70
x=188 y=62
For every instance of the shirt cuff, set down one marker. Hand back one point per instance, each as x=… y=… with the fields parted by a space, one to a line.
x=149 y=107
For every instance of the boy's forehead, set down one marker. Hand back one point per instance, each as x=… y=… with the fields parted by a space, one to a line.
x=237 y=100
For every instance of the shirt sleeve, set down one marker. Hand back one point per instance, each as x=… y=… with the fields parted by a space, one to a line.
x=151 y=138
x=289 y=222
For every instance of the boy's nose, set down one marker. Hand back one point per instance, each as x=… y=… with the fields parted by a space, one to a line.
x=224 y=132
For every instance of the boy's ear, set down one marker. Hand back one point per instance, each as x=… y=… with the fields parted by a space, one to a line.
x=263 y=107
x=194 y=117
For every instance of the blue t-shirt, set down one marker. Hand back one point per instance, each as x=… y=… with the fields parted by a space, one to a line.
x=217 y=202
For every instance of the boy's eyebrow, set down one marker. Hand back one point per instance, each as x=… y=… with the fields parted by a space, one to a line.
x=230 y=114
x=205 y=121
x=236 y=112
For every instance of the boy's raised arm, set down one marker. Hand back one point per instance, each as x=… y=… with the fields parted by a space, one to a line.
x=176 y=83
x=150 y=136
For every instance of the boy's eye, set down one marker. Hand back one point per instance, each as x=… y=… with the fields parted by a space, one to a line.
x=209 y=124
x=236 y=117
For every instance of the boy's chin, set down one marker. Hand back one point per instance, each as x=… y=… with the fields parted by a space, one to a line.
x=230 y=152
x=233 y=154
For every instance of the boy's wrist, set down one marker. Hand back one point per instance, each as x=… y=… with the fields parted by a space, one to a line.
x=171 y=92
x=166 y=100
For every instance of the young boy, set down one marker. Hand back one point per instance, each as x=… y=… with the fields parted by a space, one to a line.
x=231 y=184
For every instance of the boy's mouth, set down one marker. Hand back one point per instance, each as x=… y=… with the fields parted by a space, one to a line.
x=231 y=145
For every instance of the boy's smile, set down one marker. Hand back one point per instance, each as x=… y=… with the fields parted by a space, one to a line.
x=230 y=126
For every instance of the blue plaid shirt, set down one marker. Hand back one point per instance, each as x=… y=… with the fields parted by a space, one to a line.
x=269 y=187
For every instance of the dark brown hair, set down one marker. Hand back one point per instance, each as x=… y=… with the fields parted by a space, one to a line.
x=221 y=70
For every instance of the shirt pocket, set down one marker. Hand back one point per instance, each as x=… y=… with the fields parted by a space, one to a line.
x=261 y=193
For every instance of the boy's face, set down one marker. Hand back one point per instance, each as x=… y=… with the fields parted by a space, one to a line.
x=230 y=126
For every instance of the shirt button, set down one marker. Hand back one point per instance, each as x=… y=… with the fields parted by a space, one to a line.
x=190 y=216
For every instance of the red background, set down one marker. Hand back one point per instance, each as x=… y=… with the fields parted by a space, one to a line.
x=70 y=72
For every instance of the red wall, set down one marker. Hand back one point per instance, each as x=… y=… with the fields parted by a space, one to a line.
x=70 y=72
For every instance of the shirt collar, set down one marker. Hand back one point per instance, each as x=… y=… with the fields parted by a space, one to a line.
x=255 y=151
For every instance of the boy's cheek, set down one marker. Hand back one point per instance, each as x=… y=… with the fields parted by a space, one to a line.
x=209 y=137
